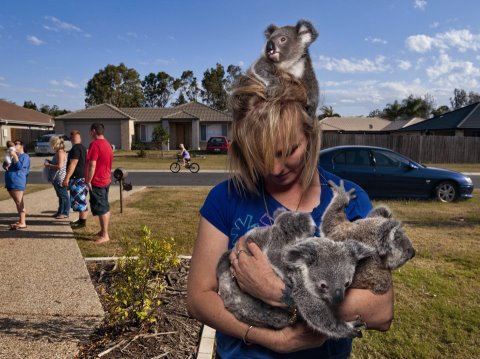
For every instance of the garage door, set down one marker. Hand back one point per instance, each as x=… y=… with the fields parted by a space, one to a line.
x=112 y=131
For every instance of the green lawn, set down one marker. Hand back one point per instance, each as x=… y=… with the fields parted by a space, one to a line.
x=459 y=167
x=437 y=308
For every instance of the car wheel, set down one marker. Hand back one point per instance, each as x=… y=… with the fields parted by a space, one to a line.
x=446 y=191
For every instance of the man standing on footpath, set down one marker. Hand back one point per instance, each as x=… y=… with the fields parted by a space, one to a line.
x=98 y=178
x=75 y=179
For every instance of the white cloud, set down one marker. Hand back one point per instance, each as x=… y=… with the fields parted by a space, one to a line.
x=462 y=40
x=434 y=25
x=35 y=40
x=453 y=74
x=241 y=63
x=420 y=4
x=58 y=24
x=69 y=84
x=66 y=83
x=404 y=64
x=353 y=65
x=376 y=40
x=132 y=34
x=2 y=78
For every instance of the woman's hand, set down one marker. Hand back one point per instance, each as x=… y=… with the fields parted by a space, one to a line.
x=254 y=274
x=295 y=338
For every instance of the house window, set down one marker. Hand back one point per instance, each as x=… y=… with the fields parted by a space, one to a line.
x=203 y=132
x=143 y=133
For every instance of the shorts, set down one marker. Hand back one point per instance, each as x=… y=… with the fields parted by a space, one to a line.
x=99 y=200
x=78 y=194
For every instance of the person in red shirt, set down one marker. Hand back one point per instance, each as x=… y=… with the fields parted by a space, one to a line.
x=98 y=178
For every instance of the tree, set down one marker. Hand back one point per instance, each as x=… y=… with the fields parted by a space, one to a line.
x=418 y=107
x=187 y=87
x=440 y=110
x=233 y=72
x=157 y=89
x=159 y=137
x=180 y=100
x=392 y=111
x=375 y=113
x=213 y=83
x=30 y=105
x=117 y=85
x=327 y=111
x=460 y=99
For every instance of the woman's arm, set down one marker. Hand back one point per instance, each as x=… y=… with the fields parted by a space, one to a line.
x=204 y=303
x=374 y=309
x=61 y=158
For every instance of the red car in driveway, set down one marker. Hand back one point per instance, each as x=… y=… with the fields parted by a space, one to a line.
x=217 y=144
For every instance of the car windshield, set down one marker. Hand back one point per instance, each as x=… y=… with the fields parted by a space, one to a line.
x=45 y=138
x=217 y=141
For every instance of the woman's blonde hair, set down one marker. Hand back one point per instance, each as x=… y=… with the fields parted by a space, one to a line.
x=261 y=123
x=57 y=143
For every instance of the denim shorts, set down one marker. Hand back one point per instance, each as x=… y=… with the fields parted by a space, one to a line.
x=99 y=200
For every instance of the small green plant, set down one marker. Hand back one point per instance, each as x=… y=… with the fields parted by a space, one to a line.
x=139 y=280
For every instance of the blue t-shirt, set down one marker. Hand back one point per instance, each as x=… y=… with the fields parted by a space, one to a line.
x=16 y=175
x=234 y=214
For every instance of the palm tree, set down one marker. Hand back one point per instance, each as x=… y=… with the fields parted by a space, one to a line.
x=327 y=111
x=393 y=111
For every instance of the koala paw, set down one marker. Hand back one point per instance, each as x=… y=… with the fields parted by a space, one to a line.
x=356 y=326
x=339 y=191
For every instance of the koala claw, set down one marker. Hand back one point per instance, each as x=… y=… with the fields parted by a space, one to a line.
x=340 y=191
x=357 y=326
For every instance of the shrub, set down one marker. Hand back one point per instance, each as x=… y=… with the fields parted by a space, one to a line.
x=139 y=280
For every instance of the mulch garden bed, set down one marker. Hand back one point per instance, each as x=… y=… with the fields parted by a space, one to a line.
x=174 y=336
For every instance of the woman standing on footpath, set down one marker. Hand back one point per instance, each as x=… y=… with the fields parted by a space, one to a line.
x=58 y=170
x=273 y=164
x=16 y=182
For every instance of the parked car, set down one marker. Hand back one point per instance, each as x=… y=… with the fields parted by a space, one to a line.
x=217 y=144
x=42 y=147
x=384 y=173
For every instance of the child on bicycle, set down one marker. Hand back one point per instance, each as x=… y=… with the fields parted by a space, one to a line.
x=185 y=155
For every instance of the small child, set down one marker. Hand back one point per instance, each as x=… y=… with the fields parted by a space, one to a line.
x=185 y=155
x=8 y=153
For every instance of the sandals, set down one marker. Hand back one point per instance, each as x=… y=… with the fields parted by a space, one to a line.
x=17 y=226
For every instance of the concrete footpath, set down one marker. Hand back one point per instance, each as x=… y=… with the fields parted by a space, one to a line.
x=47 y=301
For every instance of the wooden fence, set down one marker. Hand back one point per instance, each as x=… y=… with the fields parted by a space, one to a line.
x=423 y=149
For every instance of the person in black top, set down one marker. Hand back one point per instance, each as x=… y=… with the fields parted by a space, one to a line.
x=75 y=179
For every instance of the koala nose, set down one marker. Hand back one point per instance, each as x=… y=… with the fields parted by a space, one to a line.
x=338 y=296
x=412 y=253
x=270 y=46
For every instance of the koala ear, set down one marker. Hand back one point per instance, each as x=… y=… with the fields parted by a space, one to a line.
x=358 y=250
x=381 y=211
x=306 y=31
x=298 y=255
x=269 y=31
x=387 y=234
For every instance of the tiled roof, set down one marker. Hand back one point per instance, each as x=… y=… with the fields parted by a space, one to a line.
x=14 y=113
x=465 y=117
x=98 y=112
x=191 y=110
x=353 y=124
x=398 y=124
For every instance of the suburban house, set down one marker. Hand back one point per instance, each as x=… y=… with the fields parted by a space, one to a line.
x=191 y=124
x=17 y=122
x=353 y=124
x=464 y=121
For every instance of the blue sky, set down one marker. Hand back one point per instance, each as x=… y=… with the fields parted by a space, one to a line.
x=369 y=52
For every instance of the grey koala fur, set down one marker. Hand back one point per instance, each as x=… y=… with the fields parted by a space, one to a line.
x=316 y=269
x=379 y=230
x=286 y=49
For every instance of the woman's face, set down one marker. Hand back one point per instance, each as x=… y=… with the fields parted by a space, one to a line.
x=288 y=170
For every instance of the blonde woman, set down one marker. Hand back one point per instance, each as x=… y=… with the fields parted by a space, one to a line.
x=58 y=169
x=273 y=163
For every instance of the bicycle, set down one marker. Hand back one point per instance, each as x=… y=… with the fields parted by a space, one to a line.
x=192 y=166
